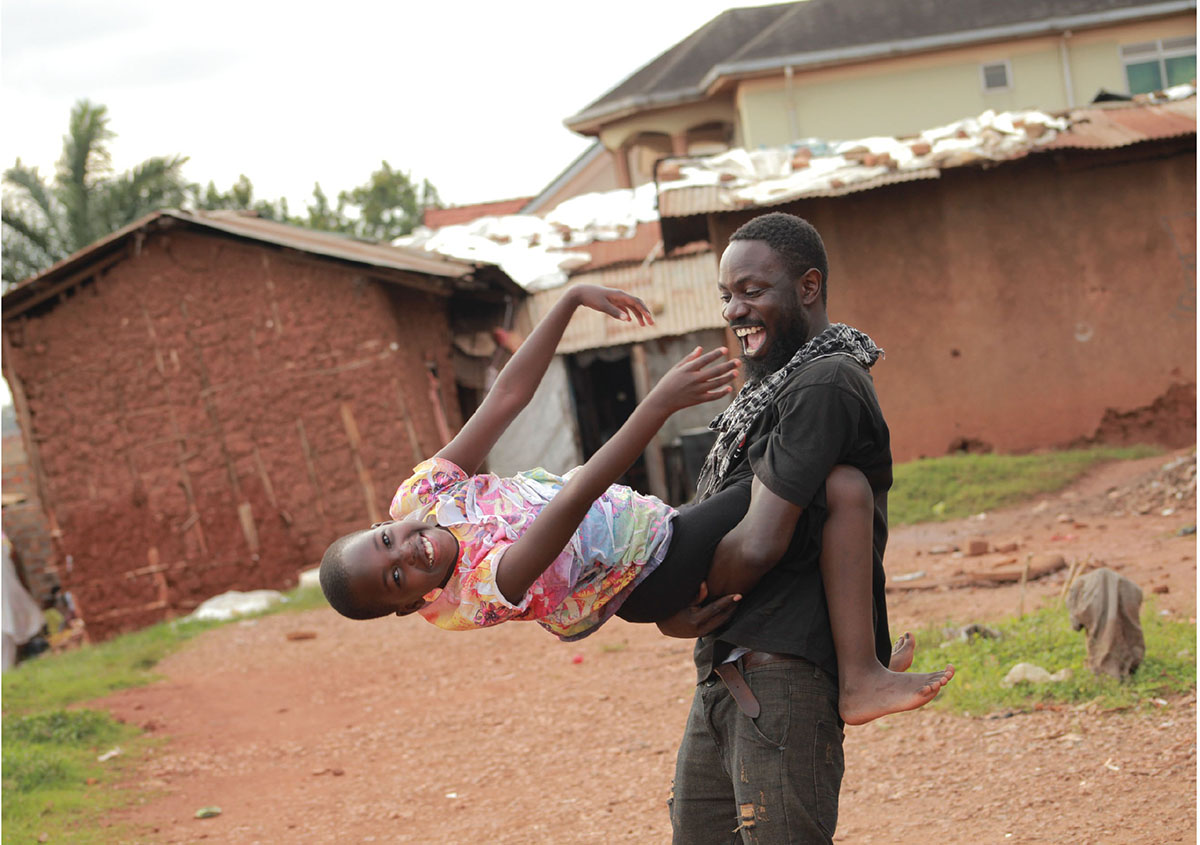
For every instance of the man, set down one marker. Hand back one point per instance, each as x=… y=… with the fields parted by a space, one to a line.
x=761 y=759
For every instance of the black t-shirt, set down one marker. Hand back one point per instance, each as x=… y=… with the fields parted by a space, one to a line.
x=826 y=414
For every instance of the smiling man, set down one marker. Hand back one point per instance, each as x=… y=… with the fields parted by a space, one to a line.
x=761 y=759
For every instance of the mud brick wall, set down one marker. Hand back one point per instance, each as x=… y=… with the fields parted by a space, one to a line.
x=25 y=522
x=211 y=413
x=1043 y=303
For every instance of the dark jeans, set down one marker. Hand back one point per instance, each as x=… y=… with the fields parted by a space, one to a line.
x=773 y=780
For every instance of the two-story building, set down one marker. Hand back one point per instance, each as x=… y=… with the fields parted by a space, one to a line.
x=837 y=69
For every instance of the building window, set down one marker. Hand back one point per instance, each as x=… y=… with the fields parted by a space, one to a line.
x=1154 y=65
x=997 y=76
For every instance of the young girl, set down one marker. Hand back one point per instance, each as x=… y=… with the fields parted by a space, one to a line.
x=469 y=551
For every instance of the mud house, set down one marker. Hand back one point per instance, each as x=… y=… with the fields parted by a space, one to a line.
x=1032 y=277
x=207 y=399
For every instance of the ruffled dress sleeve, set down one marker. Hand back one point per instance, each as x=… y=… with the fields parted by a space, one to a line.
x=420 y=493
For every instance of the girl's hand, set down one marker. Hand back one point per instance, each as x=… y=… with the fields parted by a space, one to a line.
x=700 y=377
x=615 y=303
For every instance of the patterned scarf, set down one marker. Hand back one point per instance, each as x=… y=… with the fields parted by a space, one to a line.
x=733 y=424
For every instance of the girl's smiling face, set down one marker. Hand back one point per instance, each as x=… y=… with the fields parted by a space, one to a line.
x=394 y=564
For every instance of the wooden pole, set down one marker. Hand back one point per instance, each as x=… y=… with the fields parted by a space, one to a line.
x=364 y=475
x=269 y=487
x=313 y=479
x=418 y=454
x=439 y=408
x=656 y=468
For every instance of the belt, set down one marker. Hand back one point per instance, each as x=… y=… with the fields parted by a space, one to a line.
x=761 y=658
x=736 y=684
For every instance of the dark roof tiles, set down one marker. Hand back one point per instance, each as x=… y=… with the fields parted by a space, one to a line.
x=762 y=37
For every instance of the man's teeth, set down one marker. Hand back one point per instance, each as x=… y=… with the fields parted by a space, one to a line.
x=747 y=330
x=428 y=547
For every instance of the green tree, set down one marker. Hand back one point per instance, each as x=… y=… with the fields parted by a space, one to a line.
x=325 y=218
x=239 y=197
x=44 y=220
x=389 y=205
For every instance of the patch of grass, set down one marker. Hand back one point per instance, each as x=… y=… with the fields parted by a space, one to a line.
x=935 y=489
x=49 y=752
x=1045 y=639
x=62 y=727
x=53 y=783
x=56 y=680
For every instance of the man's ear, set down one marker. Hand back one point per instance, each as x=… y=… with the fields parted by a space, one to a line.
x=810 y=286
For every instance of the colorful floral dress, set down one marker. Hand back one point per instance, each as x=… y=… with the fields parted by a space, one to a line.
x=623 y=538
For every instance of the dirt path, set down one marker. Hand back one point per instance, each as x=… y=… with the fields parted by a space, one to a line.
x=398 y=732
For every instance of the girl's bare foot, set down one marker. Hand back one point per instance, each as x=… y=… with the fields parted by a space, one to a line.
x=902 y=653
x=869 y=694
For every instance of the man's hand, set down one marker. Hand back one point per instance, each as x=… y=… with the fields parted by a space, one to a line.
x=696 y=621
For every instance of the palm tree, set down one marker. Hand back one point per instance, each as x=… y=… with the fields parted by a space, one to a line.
x=45 y=222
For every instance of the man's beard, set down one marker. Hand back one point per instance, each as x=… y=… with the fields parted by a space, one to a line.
x=791 y=336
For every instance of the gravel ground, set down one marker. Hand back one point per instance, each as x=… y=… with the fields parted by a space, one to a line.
x=394 y=731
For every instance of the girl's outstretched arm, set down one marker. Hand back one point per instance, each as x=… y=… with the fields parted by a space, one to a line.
x=520 y=377
x=698 y=378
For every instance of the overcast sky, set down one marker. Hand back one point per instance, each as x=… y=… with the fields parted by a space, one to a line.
x=470 y=95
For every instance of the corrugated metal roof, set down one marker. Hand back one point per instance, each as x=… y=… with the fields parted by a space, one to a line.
x=702 y=199
x=681 y=292
x=975 y=142
x=1119 y=125
x=326 y=243
x=72 y=269
x=645 y=241
x=453 y=215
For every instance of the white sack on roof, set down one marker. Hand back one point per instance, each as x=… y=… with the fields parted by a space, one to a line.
x=606 y=215
x=524 y=246
x=771 y=176
x=539 y=253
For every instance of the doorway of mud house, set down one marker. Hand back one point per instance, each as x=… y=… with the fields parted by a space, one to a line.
x=602 y=386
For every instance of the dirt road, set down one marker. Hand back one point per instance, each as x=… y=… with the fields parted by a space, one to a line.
x=394 y=731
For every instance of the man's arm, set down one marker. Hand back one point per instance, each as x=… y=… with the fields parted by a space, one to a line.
x=755 y=545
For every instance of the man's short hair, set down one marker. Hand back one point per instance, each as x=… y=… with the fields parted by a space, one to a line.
x=794 y=239
x=335 y=581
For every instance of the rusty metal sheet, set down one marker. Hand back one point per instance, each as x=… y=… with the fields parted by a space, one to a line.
x=1119 y=126
x=328 y=244
x=1098 y=127
x=75 y=267
x=681 y=292
x=707 y=199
